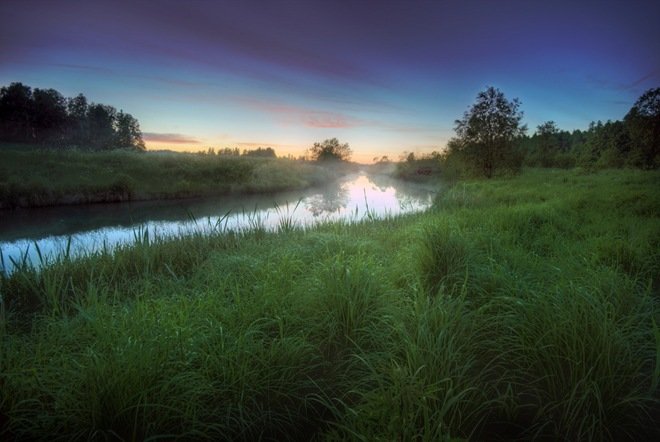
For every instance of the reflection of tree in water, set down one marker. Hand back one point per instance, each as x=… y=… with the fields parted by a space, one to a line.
x=408 y=194
x=332 y=198
x=381 y=182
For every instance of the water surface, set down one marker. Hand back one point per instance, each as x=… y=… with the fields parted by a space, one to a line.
x=89 y=228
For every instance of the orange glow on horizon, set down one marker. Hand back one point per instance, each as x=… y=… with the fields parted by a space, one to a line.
x=361 y=155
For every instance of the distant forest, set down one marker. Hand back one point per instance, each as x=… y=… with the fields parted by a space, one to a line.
x=46 y=117
x=633 y=141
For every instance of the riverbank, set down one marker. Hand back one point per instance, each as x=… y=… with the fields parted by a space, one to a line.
x=39 y=178
x=515 y=308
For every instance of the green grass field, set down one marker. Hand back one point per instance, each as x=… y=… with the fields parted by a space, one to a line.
x=32 y=177
x=521 y=308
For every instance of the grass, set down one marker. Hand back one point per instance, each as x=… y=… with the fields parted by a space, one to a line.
x=523 y=308
x=33 y=177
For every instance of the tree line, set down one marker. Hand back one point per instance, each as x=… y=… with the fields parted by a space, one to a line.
x=259 y=152
x=490 y=138
x=46 y=117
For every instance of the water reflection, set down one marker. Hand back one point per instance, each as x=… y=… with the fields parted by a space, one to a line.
x=92 y=228
x=331 y=199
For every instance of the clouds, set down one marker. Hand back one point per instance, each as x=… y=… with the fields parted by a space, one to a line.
x=304 y=116
x=287 y=114
x=167 y=138
x=327 y=120
x=637 y=85
x=386 y=72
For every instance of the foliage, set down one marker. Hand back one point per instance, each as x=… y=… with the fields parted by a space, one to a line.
x=632 y=142
x=330 y=150
x=487 y=132
x=420 y=167
x=228 y=151
x=79 y=177
x=643 y=123
x=549 y=141
x=267 y=152
x=45 y=117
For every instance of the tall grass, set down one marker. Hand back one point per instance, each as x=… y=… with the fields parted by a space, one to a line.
x=514 y=309
x=31 y=178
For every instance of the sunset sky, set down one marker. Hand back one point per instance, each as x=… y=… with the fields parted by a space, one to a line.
x=384 y=76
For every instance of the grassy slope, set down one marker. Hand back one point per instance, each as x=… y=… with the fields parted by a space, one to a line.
x=524 y=307
x=49 y=177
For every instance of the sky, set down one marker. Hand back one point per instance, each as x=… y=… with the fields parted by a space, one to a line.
x=387 y=77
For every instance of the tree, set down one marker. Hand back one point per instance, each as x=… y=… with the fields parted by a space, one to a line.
x=607 y=144
x=128 y=133
x=45 y=116
x=78 y=126
x=547 y=128
x=548 y=142
x=267 y=152
x=487 y=132
x=228 y=151
x=331 y=150
x=16 y=107
x=643 y=124
x=49 y=116
x=101 y=120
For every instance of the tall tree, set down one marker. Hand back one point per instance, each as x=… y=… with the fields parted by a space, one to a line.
x=78 y=127
x=16 y=107
x=487 y=132
x=643 y=124
x=45 y=116
x=547 y=137
x=101 y=120
x=331 y=150
x=128 y=133
x=49 y=116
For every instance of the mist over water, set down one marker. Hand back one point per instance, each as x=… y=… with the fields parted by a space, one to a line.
x=24 y=234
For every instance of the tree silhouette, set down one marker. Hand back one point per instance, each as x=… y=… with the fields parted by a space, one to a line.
x=49 y=116
x=330 y=150
x=643 y=124
x=267 y=152
x=487 y=131
x=77 y=127
x=16 y=113
x=44 y=116
x=548 y=139
x=128 y=133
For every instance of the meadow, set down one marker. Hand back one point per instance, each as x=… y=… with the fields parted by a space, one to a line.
x=48 y=177
x=516 y=308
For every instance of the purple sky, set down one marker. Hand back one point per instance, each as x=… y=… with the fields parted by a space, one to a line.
x=384 y=76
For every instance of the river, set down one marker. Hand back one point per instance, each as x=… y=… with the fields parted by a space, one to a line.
x=27 y=234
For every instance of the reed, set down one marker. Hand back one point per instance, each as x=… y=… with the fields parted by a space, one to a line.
x=522 y=308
